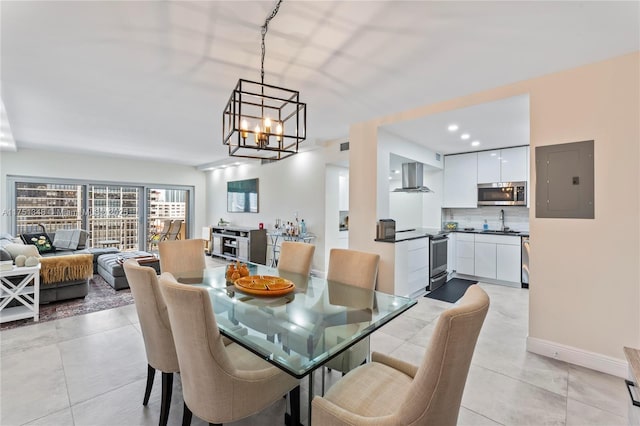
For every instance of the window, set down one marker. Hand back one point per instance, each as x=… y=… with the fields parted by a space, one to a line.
x=129 y=214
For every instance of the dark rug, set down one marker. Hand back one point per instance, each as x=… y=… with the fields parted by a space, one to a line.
x=451 y=291
x=101 y=296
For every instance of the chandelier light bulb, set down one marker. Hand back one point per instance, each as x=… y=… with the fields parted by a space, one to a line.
x=267 y=125
x=244 y=126
x=279 y=131
x=257 y=132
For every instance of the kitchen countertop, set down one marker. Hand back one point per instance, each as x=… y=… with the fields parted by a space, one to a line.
x=415 y=233
x=491 y=232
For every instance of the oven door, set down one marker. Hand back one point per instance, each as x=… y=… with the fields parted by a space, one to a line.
x=438 y=255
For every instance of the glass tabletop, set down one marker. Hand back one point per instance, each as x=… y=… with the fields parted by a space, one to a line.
x=302 y=330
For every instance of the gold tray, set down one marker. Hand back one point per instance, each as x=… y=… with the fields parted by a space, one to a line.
x=264 y=285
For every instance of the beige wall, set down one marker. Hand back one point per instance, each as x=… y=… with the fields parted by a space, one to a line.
x=585 y=274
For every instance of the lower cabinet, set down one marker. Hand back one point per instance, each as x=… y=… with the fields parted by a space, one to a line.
x=411 y=266
x=508 y=265
x=494 y=257
x=485 y=260
x=465 y=254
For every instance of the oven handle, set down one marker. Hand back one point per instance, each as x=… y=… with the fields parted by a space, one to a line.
x=439 y=239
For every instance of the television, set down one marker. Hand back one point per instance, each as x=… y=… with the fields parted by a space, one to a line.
x=242 y=196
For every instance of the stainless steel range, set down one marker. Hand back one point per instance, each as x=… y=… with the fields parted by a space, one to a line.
x=437 y=261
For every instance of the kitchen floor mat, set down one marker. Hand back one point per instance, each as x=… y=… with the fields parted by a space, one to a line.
x=451 y=291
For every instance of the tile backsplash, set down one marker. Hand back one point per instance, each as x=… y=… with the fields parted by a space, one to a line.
x=516 y=218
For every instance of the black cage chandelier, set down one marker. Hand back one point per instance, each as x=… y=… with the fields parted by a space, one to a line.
x=264 y=121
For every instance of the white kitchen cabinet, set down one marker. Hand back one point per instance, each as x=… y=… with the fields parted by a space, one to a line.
x=503 y=165
x=508 y=265
x=461 y=180
x=485 y=260
x=514 y=164
x=489 y=166
x=465 y=254
x=411 y=266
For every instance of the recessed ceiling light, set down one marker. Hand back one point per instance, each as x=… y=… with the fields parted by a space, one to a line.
x=475 y=143
x=493 y=154
x=452 y=127
x=390 y=178
x=465 y=136
x=395 y=171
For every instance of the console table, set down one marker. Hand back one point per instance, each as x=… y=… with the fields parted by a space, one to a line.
x=244 y=244
x=27 y=292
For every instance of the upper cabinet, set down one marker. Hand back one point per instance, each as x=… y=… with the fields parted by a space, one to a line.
x=503 y=165
x=461 y=180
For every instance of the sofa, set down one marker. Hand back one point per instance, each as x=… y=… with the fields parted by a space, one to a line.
x=65 y=269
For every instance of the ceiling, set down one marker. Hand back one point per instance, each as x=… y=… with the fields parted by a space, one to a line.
x=150 y=79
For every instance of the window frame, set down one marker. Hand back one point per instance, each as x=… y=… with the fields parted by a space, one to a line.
x=12 y=180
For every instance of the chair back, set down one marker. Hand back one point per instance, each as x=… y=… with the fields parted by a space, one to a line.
x=153 y=316
x=353 y=267
x=437 y=387
x=174 y=230
x=182 y=256
x=296 y=257
x=206 y=372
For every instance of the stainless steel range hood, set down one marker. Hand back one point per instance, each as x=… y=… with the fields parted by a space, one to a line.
x=412 y=177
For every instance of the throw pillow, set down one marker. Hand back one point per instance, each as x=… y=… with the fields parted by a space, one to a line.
x=66 y=239
x=40 y=240
x=16 y=250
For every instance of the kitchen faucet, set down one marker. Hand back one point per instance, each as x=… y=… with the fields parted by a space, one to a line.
x=501 y=217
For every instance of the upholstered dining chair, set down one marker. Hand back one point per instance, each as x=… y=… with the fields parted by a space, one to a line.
x=219 y=383
x=355 y=268
x=388 y=391
x=156 y=331
x=296 y=257
x=182 y=257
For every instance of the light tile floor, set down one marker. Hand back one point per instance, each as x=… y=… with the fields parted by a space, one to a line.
x=91 y=369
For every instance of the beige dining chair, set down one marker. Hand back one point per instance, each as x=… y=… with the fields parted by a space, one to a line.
x=355 y=268
x=182 y=257
x=296 y=257
x=156 y=331
x=388 y=391
x=219 y=383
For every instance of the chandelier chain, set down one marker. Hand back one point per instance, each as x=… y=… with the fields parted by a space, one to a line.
x=263 y=31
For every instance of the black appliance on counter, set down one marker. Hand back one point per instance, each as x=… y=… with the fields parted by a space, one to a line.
x=437 y=261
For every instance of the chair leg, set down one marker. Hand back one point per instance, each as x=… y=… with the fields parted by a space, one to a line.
x=186 y=416
x=151 y=373
x=165 y=406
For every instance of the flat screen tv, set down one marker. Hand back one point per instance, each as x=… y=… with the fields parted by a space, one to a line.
x=242 y=196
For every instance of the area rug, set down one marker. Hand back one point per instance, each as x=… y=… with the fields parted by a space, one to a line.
x=101 y=296
x=451 y=291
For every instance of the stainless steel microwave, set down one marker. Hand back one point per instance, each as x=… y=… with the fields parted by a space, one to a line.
x=502 y=194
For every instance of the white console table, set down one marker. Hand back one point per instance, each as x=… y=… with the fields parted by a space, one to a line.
x=27 y=292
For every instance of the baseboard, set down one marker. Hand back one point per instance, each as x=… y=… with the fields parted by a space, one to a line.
x=591 y=360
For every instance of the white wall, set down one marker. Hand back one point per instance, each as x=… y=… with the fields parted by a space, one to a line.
x=47 y=164
x=584 y=274
x=334 y=195
x=294 y=185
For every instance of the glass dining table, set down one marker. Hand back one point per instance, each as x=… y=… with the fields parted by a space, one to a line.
x=300 y=331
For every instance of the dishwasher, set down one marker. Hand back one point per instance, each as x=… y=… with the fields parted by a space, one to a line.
x=524 y=278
